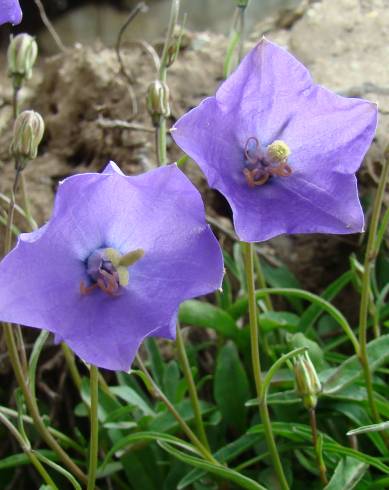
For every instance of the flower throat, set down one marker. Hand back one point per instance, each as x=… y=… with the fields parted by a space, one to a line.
x=261 y=165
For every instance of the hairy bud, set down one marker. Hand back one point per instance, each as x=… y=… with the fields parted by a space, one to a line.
x=307 y=381
x=158 y=101
x=22 y=54
x=27 y=134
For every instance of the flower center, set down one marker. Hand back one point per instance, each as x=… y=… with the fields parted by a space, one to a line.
x=108 y=270
x=262 y=164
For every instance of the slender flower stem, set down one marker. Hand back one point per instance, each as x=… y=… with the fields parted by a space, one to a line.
x=262 y=281
x=72 y=366
x=94 y=427
x=32 y=405
x=26 y=203
x=15 y=101
x=371 y=252
x=254 y=337
x=25 y=445
x=158 y=393
x=316 y=445
x=185 y=367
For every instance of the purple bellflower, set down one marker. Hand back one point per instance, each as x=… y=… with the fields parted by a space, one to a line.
x=10 y=11
x=282 y=150
x=113 y=263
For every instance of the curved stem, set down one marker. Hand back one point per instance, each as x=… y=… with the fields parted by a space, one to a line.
x=72 y=366
x=158 y=393
x=27 y=450
x=185 y=367
x=26 y=203
x=313 y=298
x=276 y=366
x=371 y=251
x=317 y=447
x=254 y=337
x=94 y=427
x=33 y=408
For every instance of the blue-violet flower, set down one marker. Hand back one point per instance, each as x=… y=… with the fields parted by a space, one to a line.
x=281 y=149
x=113 y=263
x=10 y=11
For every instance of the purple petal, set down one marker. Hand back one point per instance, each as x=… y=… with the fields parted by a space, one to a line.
x=271 y=96
x=160 y=212
x=10 y=11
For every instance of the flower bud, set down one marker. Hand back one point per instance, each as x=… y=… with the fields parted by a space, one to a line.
x=27 y=134
x=307 y=381
x=22 y=54
x=158 y=101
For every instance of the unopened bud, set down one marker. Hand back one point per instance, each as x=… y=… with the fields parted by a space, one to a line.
x=158 y=101
x=22 y=54
x=28 y=133
x=307 y=381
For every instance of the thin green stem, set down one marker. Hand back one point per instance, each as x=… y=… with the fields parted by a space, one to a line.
x=59 y=435
x=317 y=447
x=370 y=255
x=261 y=281
x=26 y=203
x=160 y=142
x=11 y=213
x=158 y=393
x=94 y=427
x=185 y=367
x=15 y=100
x=72 y=366
x=241 y=305
x=255 y=357
x=32 y=405
x=25 y=445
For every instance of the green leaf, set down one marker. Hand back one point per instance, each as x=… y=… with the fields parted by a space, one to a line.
x=22 y=459
x=271 y=320
x=231 y=387
x=239 y=308
x=359 y=416
x=156 y=363
x=125 y=442
x=311 y=314
x=224 y=455
x=282 y=277
x=106 y=403
x=132 y=398
x=57 y=467
x=136 y=465
x=165 y=422
x=171 y=381
x=302 y=433
x=314 y=350
x=205 y=315
x=369 y=428
x=350 y=370
x=347 y=474
x=33 y=361
x=220 y=471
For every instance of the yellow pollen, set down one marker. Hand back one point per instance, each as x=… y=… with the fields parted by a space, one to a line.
x=278 y=151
